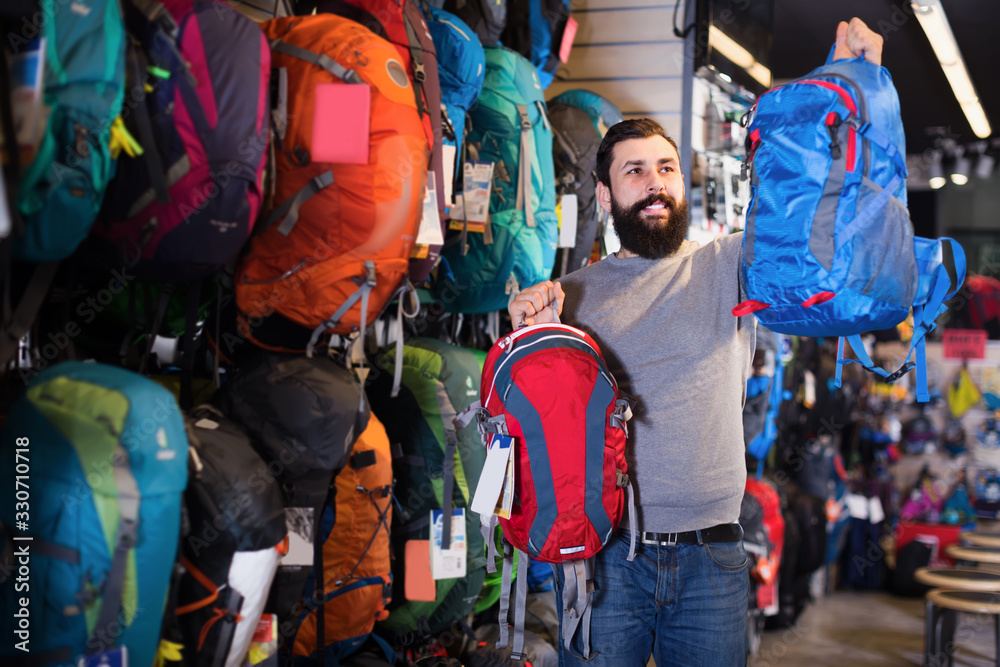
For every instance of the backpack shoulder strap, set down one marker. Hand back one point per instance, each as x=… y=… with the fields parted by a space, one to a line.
x=128 y=528
x=523 y=202
x=319 y=59
x=577 y=598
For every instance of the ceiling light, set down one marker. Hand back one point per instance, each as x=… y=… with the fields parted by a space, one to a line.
x=985 y=162
x=735 y=53
x=960 y=170
x=937 y=179
x=932 y=19
x=984 y=166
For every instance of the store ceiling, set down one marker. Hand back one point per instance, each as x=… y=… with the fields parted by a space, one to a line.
x=804 y=31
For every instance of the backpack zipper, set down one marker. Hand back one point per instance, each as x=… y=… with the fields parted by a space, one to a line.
x=456 y=28
x=851 y=106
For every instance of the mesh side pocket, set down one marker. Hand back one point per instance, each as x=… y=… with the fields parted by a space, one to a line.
x=883 y=265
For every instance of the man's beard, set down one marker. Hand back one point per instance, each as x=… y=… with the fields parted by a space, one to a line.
x=651 y=239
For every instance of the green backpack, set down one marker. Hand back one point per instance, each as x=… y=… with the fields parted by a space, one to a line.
x=60 y=192
x=438 y=382
x=510 y=128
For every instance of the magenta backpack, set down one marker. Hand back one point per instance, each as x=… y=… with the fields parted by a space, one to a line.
x=197 y=102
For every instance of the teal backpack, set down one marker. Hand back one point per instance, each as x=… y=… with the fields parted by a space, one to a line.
x=103 y=455
x=510 y=128
x=60 y=192
x=439 y=381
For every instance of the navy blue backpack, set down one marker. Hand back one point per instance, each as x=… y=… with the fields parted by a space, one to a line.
x=461 y=68
x=829 y=248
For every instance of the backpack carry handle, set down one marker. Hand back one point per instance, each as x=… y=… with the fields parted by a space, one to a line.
x=829 y=57
x=555 y=315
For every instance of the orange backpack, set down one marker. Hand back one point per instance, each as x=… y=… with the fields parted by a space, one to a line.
x=336 y=245
x=358 y=582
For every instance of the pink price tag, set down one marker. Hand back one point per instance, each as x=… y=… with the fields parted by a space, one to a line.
x=567 y=41
x=341 y=117
x=964 y=344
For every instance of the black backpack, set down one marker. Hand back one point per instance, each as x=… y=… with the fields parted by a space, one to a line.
x=574 y=154
x=911 y=557
x=234 y=505
x=810 y=515
x=752 y=521
x=487 y=18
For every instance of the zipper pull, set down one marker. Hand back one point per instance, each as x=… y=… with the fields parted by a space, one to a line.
x=833 y=128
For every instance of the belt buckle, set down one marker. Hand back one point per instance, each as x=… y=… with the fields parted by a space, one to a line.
x=671 y=540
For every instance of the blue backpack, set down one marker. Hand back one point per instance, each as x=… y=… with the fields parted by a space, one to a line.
x=461 y=68
x=535 y=30
x=103 y=455
x=510 y=128
x=829 y=247
x=60 y=192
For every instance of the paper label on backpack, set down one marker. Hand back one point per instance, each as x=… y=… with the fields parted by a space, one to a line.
x=448 y=563
x=569 y=34
x=568 y=207
x=474 y=201
x=857 y=505
x=876 y=513
x=264 y=645
x=27 y=70
x=506 y=502
x=499 y=451
x=419 y=585
x=300 y=523
x=430 y=222
x=611 y=242
x=341 y=123
x=117 y=657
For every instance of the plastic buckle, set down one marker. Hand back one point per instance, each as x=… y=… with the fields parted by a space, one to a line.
x=318 y=182
x=370 y=273
x=906 y=368
x=418 y=73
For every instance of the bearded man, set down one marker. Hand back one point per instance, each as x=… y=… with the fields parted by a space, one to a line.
x=660 y=308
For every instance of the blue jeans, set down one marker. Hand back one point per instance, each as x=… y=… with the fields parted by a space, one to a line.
x=685 y=605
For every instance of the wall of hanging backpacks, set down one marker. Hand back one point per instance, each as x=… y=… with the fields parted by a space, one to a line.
x=253 y=256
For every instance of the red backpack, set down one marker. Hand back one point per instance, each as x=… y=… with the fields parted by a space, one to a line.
x=547 y=386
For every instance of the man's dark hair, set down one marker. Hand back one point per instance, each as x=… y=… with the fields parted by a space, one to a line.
x=627 y=129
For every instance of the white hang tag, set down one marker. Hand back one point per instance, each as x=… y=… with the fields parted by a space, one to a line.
x=498 y=453
x=448 y=563
x=430 y=222
x=568 y=206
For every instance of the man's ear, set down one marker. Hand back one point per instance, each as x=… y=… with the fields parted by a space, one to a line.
x=604 y=197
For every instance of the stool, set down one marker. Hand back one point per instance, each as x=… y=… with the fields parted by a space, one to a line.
x=963 y=580
x=973 y=554
x=981 y=539
x=942 y=616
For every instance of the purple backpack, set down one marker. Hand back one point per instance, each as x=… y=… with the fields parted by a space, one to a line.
x=197 y=102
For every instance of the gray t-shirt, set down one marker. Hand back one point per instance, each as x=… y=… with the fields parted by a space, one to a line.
x=667 y=332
